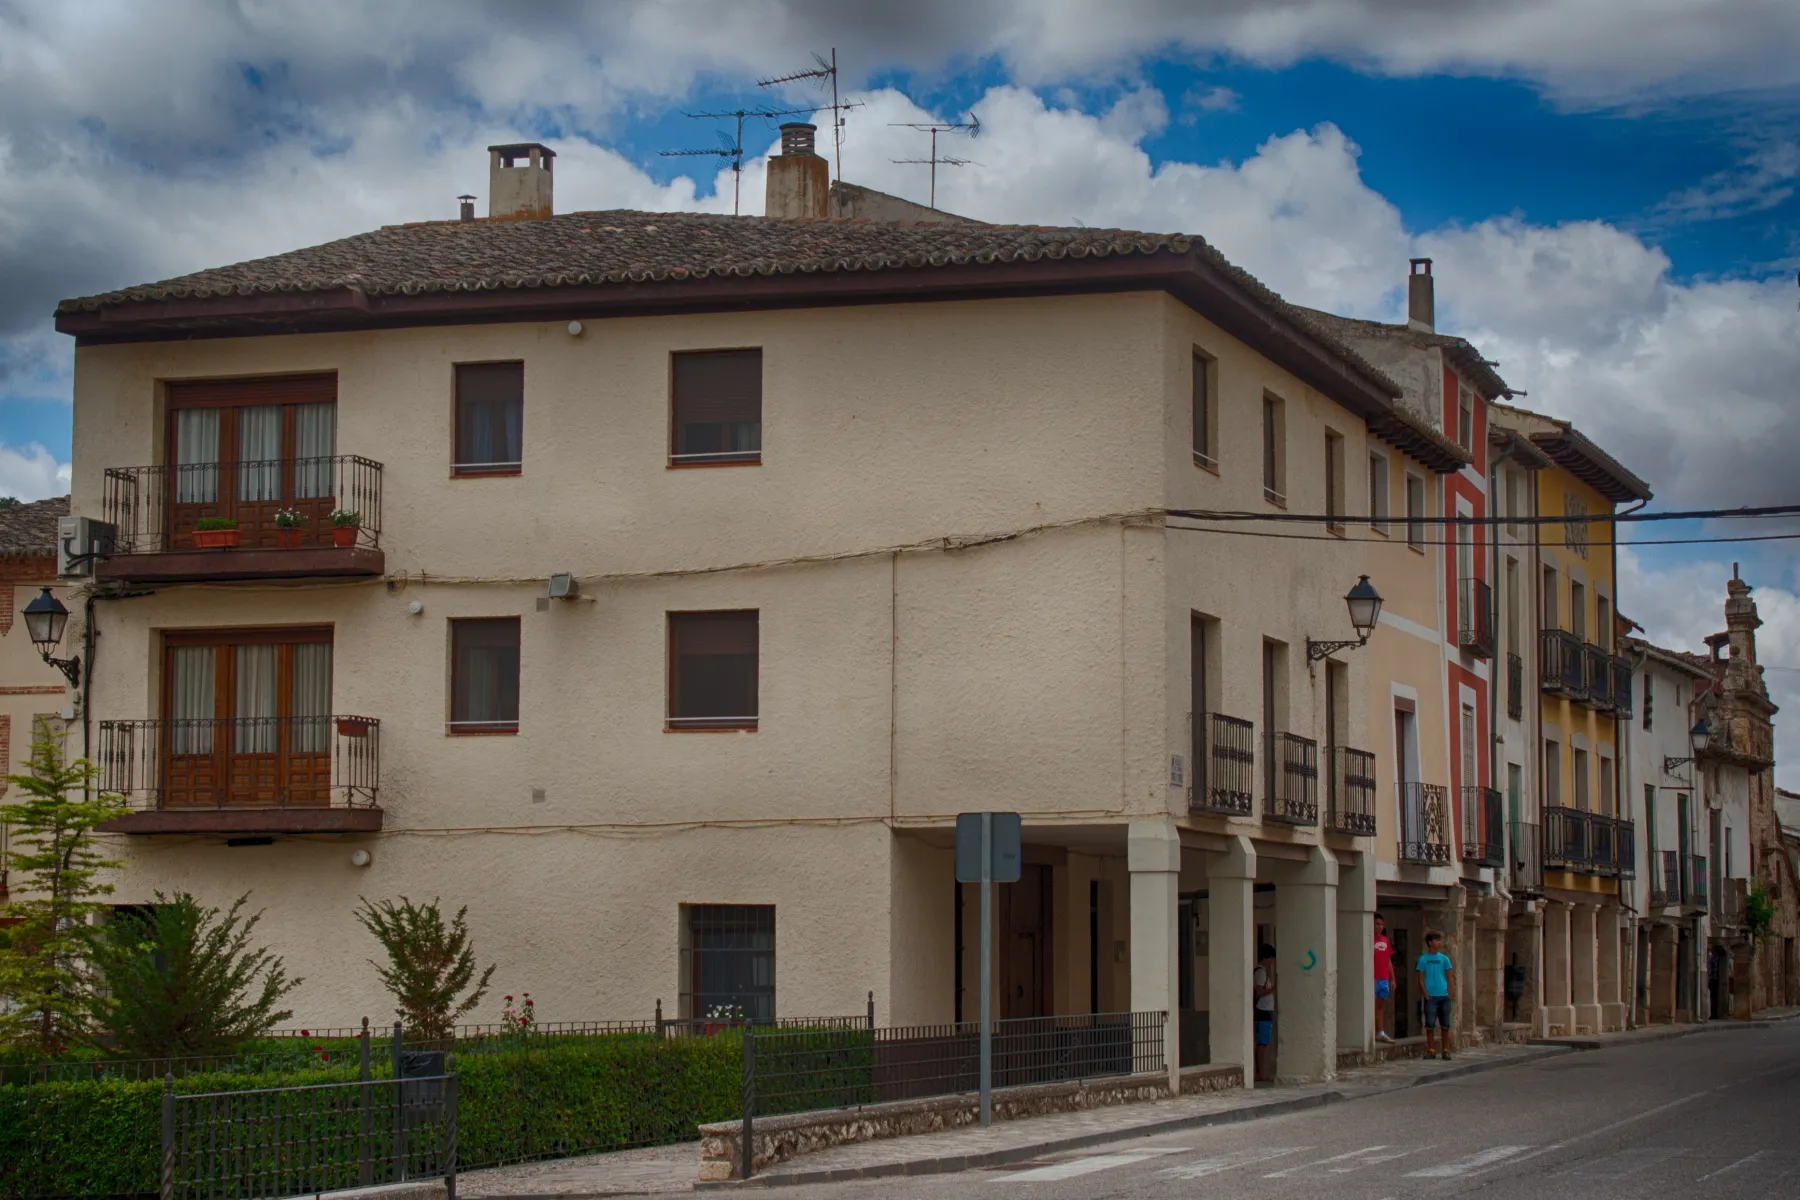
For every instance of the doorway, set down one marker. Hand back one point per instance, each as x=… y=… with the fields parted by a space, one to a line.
x=1026 y=945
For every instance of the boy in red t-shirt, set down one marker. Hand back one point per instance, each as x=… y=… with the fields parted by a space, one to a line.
x=1384 y=976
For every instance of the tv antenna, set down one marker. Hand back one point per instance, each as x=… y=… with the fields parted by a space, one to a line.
x=972 y=126
x=825 y=72
x=733 y=147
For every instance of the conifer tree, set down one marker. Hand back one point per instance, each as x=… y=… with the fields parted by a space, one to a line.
x=430 y=964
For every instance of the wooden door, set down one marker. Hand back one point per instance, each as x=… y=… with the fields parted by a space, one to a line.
x=1025 y=930
x=246 y=449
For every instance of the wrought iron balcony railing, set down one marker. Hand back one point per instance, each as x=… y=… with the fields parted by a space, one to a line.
x=1483 y=827
x=1224 y=765
x=1291 y=785
x=1527 y=859
x=1625 y=843
x=1621 y=687
x=1596 y=665
x=1568 y=844
x=1424 y=823
x=1352 y=807
x=156 y=509
x=1694 y=891
x=1475 y=617
x=242 y=762
x=1515 y=687
x=1560 y=667
x=1665 y=878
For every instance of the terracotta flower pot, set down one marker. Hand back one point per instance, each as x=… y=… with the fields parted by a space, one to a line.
x=215 y=539
x=351 y=727
x=344 y=535
x=289 y=538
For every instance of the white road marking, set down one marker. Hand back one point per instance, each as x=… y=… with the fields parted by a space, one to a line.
x=1742 y=1162
x=1202 y=1167
x=1621 y=1163
x=1343 y=1164
x=1088 y=1165
x=1479 y=1161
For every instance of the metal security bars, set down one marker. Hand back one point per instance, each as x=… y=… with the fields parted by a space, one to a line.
x=1292 y=786
x=728 y=962
x=155 y=509
x=1622 y=688
x=1224 y=765
x=1527 y=859
x=1424 y=823
x=1515 y=687
x=1483 y=827
x=1665 y=878
x=1475 y=617
x=1352 y=806
x=1597 y=665
x=1626 y=841
x=1560 y=669
x=252 y=762
x=294 y=1141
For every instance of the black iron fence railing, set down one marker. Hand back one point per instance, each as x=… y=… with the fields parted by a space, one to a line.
x=1625 y=864
x=248 y=762
x=1694 y=889
x=1622 y=688
x=1665 y=878
x=1483 y=827
x=1352 y=802
x=156 y=509
x=1560 y=668
x=1475 y=617
x=1224 y=765
x=1291 y=791
x=1603 y=844
x=1597 y=669
x=1566 y=840
x=1590 y=843
x=1527 y=858
x=1515 y=687
x=1424 y=823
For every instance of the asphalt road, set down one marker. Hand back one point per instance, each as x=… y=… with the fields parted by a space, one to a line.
x=1713 y=1114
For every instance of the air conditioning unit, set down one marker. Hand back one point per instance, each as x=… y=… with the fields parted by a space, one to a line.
x=78 y=541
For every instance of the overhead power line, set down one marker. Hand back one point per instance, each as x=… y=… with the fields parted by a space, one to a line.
x=1698 y=514
x=1362 y=539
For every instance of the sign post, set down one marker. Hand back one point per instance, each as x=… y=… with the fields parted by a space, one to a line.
x=988 y=851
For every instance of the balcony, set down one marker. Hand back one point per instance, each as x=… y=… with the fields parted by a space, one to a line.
x=1475 y=617
x=1483 y=827
x=1567 y=840
x=1424 y=823
x=1625 y=839
x=1621 y=687
x=244 y=776
x=1352 y=805
x=1693 y=895
x=1560 y=668
x=1596 y=667
x=1728 y=908
x=1515 y=687
x=1527 y=878
x=1224 y=766
x=1665 y=878
x=1291 y=789
x=156 y=511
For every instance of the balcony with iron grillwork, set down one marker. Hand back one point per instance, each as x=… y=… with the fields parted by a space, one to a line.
x=1424 y=823
x=1589 y=843
x=1291 y=786
x=1224 y=766
x=1527 y=876
x=1561 y=670
x=244 y=776
x=1352 y=792
x=163 y=519
x=1483 y=827
x=1515 y=687
x=1665 y=878
x=1694 y=893
x=1475 y=617
x=1622 y=687
x=1596 y=666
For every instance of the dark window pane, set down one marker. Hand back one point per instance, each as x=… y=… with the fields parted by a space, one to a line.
x=731 y=963
x=718 y=406
x=490 y=414
x=1202 y=428
x=714 y=667
x=484 y=673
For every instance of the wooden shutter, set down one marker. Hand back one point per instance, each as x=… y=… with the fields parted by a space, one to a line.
x=716 y=387
x=236 y=393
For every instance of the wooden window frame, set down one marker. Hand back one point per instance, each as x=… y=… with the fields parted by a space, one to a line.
x=1380 y=493
x=675 y=723
x=679 y=461
x=1415 y=529
x=1336 y=497
x=456 y=728
x=1274 y=449
x=1204 y=410
x=467 y=470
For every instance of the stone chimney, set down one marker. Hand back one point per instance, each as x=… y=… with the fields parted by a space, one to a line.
x=1421 y=304
x=799 y=182
x=519 y=182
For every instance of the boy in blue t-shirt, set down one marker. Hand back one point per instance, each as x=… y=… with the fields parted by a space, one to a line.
x=1437 y=983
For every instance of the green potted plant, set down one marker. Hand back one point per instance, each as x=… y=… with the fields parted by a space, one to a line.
x=215 y=533
x=289 y=529
x=345 y=525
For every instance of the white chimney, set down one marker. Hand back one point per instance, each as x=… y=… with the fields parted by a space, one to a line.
x=798 y=182
x=519 y=181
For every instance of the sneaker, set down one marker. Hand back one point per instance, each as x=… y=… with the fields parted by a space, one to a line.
x=1446 y=1056
x=1383 y=1037
x=1431 y=1054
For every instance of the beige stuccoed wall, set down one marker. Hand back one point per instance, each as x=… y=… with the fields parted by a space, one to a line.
x=29 y=687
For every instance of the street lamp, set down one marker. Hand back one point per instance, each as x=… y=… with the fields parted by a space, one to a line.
x=1364 y=603
x=45 y=618
x=1699 y=737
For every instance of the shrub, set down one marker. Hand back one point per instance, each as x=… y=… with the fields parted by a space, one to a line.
x=213 y=524
x=430 y=964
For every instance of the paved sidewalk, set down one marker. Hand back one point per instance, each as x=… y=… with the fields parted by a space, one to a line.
x=666 y=1169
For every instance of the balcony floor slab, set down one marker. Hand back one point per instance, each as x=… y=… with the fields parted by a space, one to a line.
x=247 y=822
x=254 y=563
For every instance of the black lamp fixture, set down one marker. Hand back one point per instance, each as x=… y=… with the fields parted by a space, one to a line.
x=1699 y=737
x=45 y=618
x=1364 y=603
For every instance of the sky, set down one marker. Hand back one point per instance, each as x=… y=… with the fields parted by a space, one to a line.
x=1607 y=187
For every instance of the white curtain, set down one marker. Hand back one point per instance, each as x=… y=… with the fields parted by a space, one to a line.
x=192 y=692
x=259 y=448
x=312 y=697
x=315 y=442
x=196 y=455
x=255 y=700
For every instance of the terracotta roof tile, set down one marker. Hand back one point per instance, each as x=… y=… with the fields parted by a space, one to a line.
x=29 y=530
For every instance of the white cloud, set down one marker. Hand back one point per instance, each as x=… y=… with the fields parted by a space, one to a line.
x=32 y=473
x=1761 y=181
x=1212 y=99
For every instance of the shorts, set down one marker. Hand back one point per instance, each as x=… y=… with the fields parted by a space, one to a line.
x=1383 y=989
x=1437 y=1012
x=1265 y=1032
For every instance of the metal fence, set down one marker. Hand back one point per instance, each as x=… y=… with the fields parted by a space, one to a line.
x=154 y=509
x=304 y=762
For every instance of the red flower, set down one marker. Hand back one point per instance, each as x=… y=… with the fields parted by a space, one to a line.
x=306 y=1033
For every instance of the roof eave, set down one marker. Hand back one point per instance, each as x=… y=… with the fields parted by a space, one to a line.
x=1569 y=449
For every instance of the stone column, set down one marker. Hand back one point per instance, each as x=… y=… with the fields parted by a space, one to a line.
x=1356 y=955
x=1231 y=951
x=1153 y=850
x=1306 y=929
x=1525 y=939
x=1490 y=985
x=1661 y=1009
x=1584 y=963
x=1611 y=976
x=1559 y=1003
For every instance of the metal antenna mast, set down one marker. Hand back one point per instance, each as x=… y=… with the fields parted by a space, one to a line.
x=972 y=126
x=826 y=70
x=733 y=147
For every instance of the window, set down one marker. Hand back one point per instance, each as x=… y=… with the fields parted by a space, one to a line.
x=1415 y=512
x=1205 y=452
x=717 y=410
x=1575 y=530
x=1515 y=790
x=1603 y=623
x=1465 y=418
x=1581 y=780
x=1334 y=482
x=1512 y=608
x=1274 y=451
x=484 y=675
x=1649 y=698
x=490 y=415
x=1515 y=501
x=1606 y=798
x=1552 y=774
x=728 y=961
x=713 y=670
x=1551 y=597
x=1650 y=830
x=1378 y=493
x=1578 y=610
